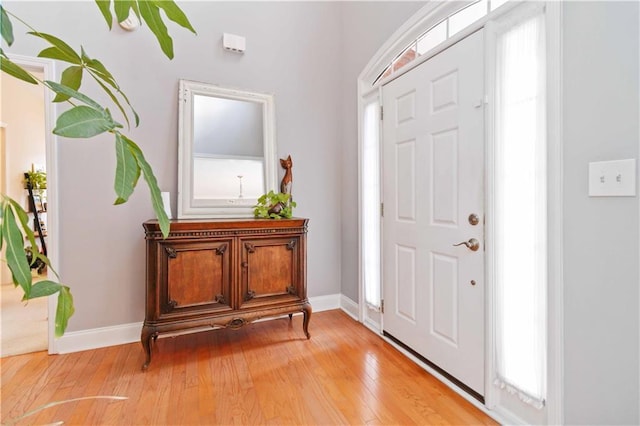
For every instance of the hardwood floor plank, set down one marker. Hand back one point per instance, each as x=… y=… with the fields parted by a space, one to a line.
x=321 y=408
x=74 y=386
x=11 y=365
x=337 y=381
x=400 y=387
x=265 y=373
x=136 y=407
x=294 y=373
x=121 y=383
x=25 y=370
x=268 y=366
x=206 y=391
x=351 y=361
x=47 y=387
x=94 y=385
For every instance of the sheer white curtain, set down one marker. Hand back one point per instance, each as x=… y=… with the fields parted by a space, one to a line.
x=520 y=217
x=371 y=204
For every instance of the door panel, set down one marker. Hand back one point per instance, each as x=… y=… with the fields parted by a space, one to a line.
x=270 y=271
x=198 y=275
x=433 y=179
x=444 y=171
x=406 y=178
x=406 y=299
x=444 y=298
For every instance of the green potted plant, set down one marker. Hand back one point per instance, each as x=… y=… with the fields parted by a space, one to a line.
x=37 y=179
x=274 y=206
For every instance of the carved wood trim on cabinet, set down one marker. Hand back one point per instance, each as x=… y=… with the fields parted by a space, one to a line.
x=218 y=273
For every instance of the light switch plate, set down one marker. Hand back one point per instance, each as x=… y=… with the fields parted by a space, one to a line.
x=612 y=178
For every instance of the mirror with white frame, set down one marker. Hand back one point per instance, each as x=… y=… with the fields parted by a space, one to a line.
x=227 y=153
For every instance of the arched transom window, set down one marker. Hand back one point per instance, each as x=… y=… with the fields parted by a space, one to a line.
x=440 y=32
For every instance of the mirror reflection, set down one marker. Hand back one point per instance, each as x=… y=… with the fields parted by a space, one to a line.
x=227 y=150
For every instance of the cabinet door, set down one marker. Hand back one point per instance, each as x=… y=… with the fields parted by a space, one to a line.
x=271 y=271
x=196 y=277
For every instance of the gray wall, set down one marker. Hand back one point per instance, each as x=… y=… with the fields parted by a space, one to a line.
x=308 y=54
x=292 y=51
x=600 y=234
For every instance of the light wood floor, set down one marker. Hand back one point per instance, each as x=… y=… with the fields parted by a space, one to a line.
x=265 y=373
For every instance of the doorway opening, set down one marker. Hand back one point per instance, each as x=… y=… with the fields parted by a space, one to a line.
x=25 y=152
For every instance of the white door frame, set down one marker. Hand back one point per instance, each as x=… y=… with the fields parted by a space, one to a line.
x=47 y=67
x=425 y=18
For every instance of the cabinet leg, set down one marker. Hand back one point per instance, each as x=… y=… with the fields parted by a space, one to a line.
x=306 y=311
x=147 y=334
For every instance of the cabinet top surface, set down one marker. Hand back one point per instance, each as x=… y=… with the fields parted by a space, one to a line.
x=231 y=223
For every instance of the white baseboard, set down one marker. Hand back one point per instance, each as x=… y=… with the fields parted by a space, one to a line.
x=84 y=340
x=349 y=307
x=372 y=325
x=325 y=303
x=504 y=416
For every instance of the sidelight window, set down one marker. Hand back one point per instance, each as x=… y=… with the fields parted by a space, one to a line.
x=371 y=237
x=520 y=217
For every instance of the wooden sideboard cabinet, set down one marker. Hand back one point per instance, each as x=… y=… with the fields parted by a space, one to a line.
x=217 y=273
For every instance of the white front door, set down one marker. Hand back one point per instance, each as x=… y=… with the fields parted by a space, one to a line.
x=433 y=189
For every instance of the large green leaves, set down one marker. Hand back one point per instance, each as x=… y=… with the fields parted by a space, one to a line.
x=69 y=92
x=99 y=70
x=107 y=82
x=14 y=244
x=15 y=70
x=44 y=288
x=23 y=219
x=127 y=170
x=5 y=27
x=151 y=15
x=123 y=9
x=82 y=121
x=82 y=64
x=12 y=232
x=58 y=50
x=174 y=13
x=71 y=78
x=104 y=6
x=91 y=119
x=152 y=183
x=149 y=11
x=64 y=310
